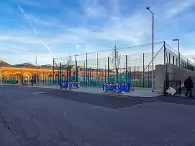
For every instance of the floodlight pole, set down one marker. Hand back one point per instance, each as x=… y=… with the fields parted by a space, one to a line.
x=148 y=8
x=178 y=49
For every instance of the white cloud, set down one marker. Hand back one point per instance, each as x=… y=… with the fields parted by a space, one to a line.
x=134 y=30
x=188 y=53
x=115 y=4
x=28 y=2
x=18 y=39
x=128 y=30
x=48 y=23
x=17 y=57
x=34 y=30
x=95 y=12
x=179 y=7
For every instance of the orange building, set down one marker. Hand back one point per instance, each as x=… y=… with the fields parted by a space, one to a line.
x=23 y=73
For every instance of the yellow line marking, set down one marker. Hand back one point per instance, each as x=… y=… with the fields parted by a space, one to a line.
x=124 y=96
x=107 y=94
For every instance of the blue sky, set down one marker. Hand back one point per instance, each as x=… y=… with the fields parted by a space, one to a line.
x=66 y=27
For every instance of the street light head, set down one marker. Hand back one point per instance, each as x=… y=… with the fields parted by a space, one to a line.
x=175 y=39
x=148 y=8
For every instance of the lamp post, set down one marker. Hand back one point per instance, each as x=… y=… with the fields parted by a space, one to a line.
x=177 y=40
x=148 y=8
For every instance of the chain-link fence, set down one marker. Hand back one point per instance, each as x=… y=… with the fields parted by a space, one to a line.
x=111 y=66
x=129 y=65
x=176 y=58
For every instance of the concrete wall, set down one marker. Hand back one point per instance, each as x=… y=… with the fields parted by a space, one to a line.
x=1 y=75
x=173 y=73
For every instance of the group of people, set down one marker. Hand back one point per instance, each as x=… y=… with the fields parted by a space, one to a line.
x=189 y=85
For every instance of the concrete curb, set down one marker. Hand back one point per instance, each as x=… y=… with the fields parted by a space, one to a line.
x=120 y=95
x=13 y=85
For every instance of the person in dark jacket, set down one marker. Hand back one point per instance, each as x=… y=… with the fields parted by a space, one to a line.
x=189 y=85
x=31 y=82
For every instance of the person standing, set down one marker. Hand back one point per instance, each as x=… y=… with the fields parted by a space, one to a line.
x=31 y=82
x=189 y=85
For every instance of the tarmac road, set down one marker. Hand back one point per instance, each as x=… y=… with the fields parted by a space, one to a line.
x=47 y=117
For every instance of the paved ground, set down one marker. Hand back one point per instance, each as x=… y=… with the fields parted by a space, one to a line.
x=138 y=92
x=46 y=117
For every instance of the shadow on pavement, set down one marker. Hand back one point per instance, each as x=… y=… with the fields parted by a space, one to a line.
x=100 y=100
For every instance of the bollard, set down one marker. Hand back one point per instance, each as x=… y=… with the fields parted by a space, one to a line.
x=109 y=87
x=123 y=87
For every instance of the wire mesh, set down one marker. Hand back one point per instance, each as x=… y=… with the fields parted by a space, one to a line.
x=119 y=65
x=176 y=58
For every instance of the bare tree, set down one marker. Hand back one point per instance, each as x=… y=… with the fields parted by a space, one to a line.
x=68 y=60
x=115 y=61
x=68 y=63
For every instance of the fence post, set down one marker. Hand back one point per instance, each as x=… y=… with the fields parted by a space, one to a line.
x=68 y=73
x=143 y=70
x=108 y=71
x=105 y=73
x=97 y=64
x=53 y=70
x=50 y=78
x=60 y=73
x=76 y=71
x=84 y=74
x=97 y=75
x=90 y=77
x=164 y=52
x=130 y=76
x=148 y=76
x=102 y=76
x=187 y=64
x=70 y=70
x=166 y=71
x=126 y=70
x=179 y=59
x=86 y=71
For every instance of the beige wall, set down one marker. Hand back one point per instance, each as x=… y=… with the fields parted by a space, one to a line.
x=174 y=73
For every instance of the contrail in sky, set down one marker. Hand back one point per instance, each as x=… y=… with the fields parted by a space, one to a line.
x=33 y=29
x=7 y=49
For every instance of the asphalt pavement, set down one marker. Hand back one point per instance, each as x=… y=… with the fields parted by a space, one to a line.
x=50 y=117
